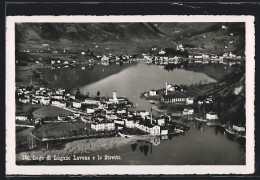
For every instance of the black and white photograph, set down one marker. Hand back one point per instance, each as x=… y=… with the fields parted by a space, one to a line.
x=134 y=91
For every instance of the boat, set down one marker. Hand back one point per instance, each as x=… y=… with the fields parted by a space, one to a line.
x=164 y=137
x=200 y=119
x=210 y=124
x=178 y=131
x=234 y=133
x=152 y=102
x=124 y=135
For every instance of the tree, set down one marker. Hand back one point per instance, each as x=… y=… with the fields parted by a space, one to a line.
x=98 y=93
x=78 y=94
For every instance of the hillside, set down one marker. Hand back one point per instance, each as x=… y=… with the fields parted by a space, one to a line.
x=133 y=37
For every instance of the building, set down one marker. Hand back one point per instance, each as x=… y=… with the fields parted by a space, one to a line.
x=58 y=104
x=144 y=113
x=115 y=100
x=180 y=47
x=188 y=111
x=174 y=98
x=154 y=129
x=162 y=52
x=91 y=101
x=198 y=57
x=76 y=114
x=200 y=102
x=189 y=100
x=122 y=111
x=72 y=96
x=61 y=118
x=129 y=123
x=152 y=93
x=24 y=100
x=45 y=100
x=119 y=121
x=160 y=121
x=164 y=131
x=76 y=104
x=90 y=111
x=205 y=56
x=211 y=116
x=21 y=118
x=237 y=128
x=103 y=126
x=57 y=96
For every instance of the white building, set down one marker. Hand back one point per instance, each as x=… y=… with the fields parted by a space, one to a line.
x=129 y=123
x=119 y=121
x=198 y=57
x=160 y=121
x=21 y=118
x=164 y=131
x=200 y=102
x=45 y=100
x=144 y=113
x=115 y=100
x=155 y=130
x=237 y=128
x=211 y=115
x=76 y=104
x=123 y=111
x=103 y=126
x=24 y=100
x=152 y=93
x=224 y=27
x=58 y=104
x=89 y=110
x=72 y=96
x=232 y=55
x=91 y=101
x=162 y=52
x=61 y=118
x=189 y=100
x=180 y=47
x=188 y=111
x=205 y=56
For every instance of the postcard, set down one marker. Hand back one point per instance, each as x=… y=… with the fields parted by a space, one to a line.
x=106 y=95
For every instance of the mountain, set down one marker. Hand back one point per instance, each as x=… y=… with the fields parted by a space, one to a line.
x=201 y=36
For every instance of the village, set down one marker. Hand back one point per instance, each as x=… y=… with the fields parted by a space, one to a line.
x=112 y=114
x=100 y=114
x=181 y=96
x=166 y=56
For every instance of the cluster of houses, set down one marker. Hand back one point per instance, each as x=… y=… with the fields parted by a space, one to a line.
x=227 y=59
x=103 y=114
x=118 y=59
x=60 y=64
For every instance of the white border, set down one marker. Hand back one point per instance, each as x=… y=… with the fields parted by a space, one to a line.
x=13 y=169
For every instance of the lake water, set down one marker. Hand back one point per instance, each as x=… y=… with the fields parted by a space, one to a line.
x=201 y=145
x=136 y=79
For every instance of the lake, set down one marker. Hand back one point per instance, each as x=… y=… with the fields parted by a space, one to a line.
x=201 y=145
x=140 y=77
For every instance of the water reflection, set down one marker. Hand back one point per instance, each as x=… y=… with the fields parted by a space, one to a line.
x=219 y=129
x=133 y=147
